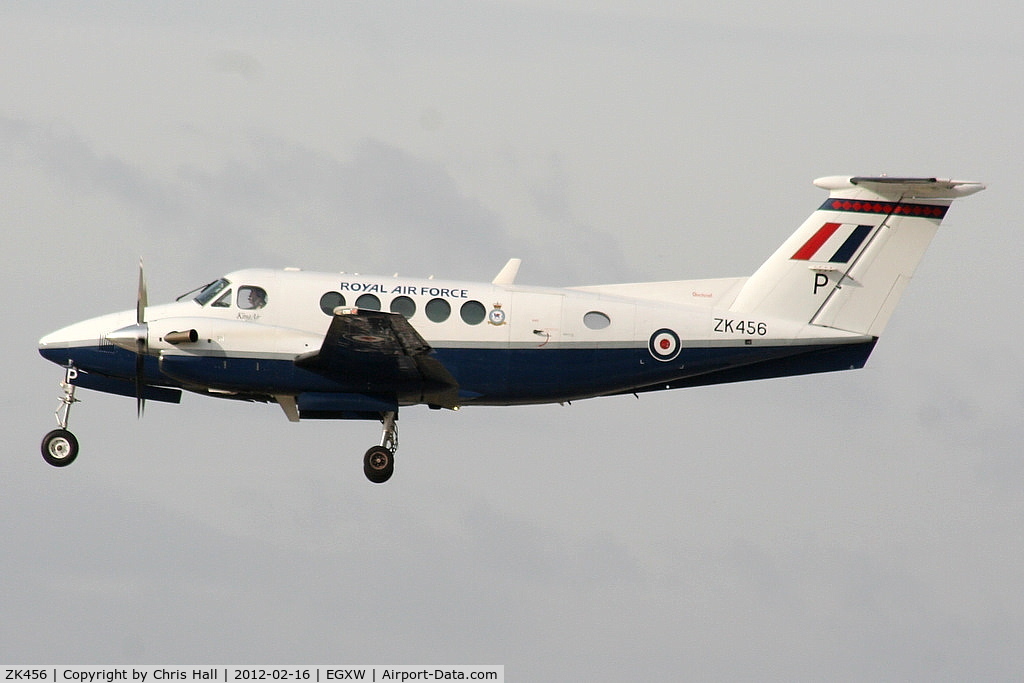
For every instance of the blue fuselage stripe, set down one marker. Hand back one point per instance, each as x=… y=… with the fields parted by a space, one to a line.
x=493 y=376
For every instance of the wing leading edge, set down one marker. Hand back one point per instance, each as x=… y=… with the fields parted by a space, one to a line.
x=381 y=354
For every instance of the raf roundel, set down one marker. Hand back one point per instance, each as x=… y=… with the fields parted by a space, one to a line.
x=664 y=345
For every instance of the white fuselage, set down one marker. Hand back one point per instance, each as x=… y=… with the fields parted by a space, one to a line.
x=503 y=343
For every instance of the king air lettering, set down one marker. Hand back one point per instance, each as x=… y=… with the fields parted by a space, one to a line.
x=408 y=290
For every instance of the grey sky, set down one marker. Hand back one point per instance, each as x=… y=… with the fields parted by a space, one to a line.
x=851 y=526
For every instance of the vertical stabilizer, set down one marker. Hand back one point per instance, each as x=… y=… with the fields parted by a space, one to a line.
x=848 y=264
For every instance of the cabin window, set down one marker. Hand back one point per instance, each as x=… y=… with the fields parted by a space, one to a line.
x=250 y=298
x=596 y=320
x=404 y=305
x=331 y=300
x=224 y=301
x=473 y=312
x=438 y=310
x=368 y=301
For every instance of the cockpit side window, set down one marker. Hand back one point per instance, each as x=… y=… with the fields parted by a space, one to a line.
x=224 y=301
x=251 y=298
x=210 y=291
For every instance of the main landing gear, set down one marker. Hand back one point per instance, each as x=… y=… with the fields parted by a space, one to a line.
x=379 y=461
x=60 y=447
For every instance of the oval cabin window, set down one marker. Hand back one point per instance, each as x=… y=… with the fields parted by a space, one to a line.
x=473 y=312
x=438 y=310
x=596 y=320
x=330 y=301
x=369 y=302
x=404 y=305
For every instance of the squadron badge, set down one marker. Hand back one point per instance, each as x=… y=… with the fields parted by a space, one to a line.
x=496 y=316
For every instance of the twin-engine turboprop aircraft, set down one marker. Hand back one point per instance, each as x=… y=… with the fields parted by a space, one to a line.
x=330 y=346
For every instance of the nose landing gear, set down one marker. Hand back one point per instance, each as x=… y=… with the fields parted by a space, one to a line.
x=379 y=461
x=60 y=447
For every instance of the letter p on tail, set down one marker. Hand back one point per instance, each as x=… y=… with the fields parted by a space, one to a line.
x=847 y=265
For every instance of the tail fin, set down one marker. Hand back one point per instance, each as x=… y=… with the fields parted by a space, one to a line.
x=848 y=264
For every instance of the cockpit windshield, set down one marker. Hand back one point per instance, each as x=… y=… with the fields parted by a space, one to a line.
x=208 y=292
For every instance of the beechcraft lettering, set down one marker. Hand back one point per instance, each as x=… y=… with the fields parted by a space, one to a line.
x=324 y=348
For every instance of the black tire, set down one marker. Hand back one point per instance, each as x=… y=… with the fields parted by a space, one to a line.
x=378 y=464
x=59 y=448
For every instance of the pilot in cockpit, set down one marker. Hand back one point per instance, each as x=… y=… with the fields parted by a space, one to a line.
x=252 y=298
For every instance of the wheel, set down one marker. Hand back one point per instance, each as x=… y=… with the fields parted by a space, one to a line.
x=60 y=448
x=378 y=464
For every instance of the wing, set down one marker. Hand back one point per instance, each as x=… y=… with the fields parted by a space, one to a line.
x=383 y=353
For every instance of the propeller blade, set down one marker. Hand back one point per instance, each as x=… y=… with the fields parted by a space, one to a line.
x=142 y=301
x=140 y=402
x=141 y=342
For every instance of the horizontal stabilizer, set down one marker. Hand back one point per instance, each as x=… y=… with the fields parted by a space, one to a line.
x=903 y=188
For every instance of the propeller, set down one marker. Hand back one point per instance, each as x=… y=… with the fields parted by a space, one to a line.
x=136 y=338
x=141 y=342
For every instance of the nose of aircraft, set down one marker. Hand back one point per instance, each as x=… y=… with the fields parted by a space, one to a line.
x=92 y=333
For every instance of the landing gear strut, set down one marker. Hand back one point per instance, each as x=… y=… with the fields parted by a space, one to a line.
x=379 y=461
x=60 y=447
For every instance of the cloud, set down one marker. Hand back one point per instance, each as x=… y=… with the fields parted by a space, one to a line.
x=381 y=210
x=237 y=63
